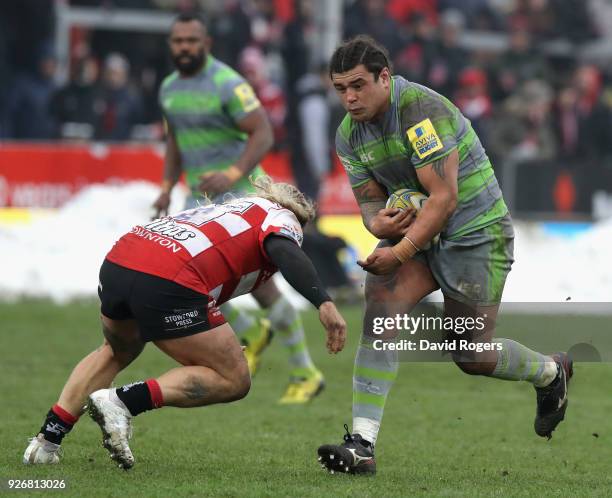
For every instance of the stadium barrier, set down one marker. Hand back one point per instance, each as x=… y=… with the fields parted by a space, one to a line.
x=48 y=175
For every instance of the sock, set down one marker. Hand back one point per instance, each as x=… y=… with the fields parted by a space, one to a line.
x=57 y=424
x=244 y=324
x=367 y=428
x=517 y=362
x=140 y=397
x=373 y=376
x=286 y=322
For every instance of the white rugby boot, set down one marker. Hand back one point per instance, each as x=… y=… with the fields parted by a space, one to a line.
x=116 y=423
x=41 y=451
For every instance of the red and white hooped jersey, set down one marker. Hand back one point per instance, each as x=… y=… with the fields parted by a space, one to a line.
x=216 y=249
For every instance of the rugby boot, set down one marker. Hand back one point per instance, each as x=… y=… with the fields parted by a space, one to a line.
x=354 y=456
x=41 y=451
x=552 y=399
x=253 y=348
x=116 y=424
x=302 y=389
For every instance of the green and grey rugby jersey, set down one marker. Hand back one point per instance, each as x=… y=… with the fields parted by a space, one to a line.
x=203 y=110
x=422 y=126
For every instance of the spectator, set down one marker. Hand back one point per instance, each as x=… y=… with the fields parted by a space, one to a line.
x=314 y=114
x=520 y=63
x=536 y=17
x=120 y=106
x=252 y=65
x=266 y=30
x=370 y=17
x=231 y=30
x=480 y=14
x=29 y=116
x=414 y=59
x=403 y=10
x=298 y=44
x=297 y=50
x=583 y=120
x=73 y=106
x=474 y=101
x=524 y=130
x=449 y=58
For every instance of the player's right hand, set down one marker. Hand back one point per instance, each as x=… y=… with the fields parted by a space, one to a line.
x=161 y=205
x=391 y=223
x=335 y=326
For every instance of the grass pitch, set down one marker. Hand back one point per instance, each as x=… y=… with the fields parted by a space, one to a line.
x=444 y=433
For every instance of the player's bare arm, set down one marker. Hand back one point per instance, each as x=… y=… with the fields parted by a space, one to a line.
x=172 y=173
x=381 y=222
x=261 y=139
x=439 y=178
x=257 y=126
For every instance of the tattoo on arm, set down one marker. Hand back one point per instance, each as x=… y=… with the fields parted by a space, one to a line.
x=371 y=198
x=194 y=389
x=438 y=166
x=369 y=210
x=369 y=192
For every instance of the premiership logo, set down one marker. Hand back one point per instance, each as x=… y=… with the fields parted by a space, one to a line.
x=424 y=139
x=247 y=97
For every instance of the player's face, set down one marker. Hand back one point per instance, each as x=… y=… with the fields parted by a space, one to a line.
x=189 y=46
x=362 y=97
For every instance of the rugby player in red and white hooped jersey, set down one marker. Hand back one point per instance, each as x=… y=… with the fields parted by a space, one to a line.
x=163 y=282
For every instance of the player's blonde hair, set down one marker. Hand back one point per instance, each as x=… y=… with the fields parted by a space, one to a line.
x=286 y=195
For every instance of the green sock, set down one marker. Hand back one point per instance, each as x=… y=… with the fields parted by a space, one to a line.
x=286 y=322
x=373 y=376
x=517 y=362
x=245 y=325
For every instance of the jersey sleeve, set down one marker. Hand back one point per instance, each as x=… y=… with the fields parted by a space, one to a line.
x=357 y=172
x=429 y=123
x=281 y=222
x=238 y=97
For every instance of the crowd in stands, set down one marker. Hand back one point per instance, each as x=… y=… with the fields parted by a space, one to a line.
x=531 y=95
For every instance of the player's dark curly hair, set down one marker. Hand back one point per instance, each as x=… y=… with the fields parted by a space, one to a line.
x=362 y=49
x=191 y=16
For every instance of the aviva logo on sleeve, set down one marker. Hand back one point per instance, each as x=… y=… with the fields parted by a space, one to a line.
x=424 y=139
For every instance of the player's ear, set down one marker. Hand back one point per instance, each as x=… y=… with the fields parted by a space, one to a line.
x=385 y=77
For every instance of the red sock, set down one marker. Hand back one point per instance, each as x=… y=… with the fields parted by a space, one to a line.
x=157 y=399
x=141 y=396
x=65 y=416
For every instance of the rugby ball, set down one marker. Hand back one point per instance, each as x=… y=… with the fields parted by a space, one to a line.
x=406 y=198
x=409 y=198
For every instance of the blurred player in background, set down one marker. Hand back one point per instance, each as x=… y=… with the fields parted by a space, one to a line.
x=398 y=134
x=217 y=132
x=162 y=283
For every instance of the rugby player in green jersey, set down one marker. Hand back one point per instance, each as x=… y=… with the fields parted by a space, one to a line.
x=217 y=133
x=398 y=134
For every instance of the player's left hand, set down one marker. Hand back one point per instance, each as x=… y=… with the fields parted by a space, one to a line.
x=381 y=262
x=335 y=326
x=214 y=183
